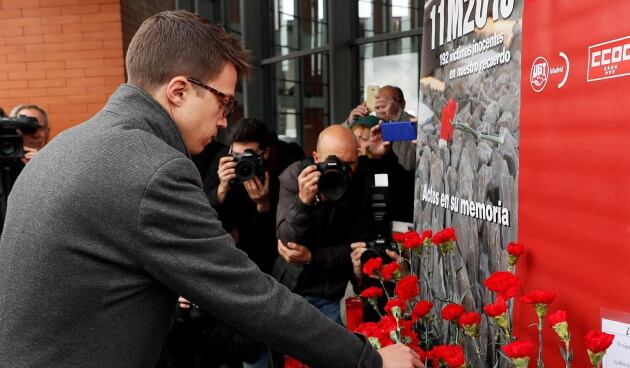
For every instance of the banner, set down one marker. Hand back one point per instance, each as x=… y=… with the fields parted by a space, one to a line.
x=468 y=140
x=574 y=196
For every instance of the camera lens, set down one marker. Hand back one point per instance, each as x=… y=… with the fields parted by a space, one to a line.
x=8 y=148
x=245 y=170
x=332 y=184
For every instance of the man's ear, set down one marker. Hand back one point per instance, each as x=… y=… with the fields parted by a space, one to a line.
x=177 y=90
x=315 y=156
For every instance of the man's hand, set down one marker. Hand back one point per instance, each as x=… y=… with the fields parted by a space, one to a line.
x=226 y=173
x=360 y=110
x=378 y=147
x=259 y=192
x=307 y=183
x=294 y=253
x=400 y=356
x=357 y=250
x=183 y=303
x=29 y=153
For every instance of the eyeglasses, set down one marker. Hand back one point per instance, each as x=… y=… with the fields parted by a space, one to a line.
x=229 y=102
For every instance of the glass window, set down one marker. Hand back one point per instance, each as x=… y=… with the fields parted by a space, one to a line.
x=386 y=16
x=233 y=23
x=393 y=62
x=298 y=25
x=300 y=93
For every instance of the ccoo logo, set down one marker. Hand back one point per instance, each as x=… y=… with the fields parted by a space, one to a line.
x=610 y=59
x=540 y=74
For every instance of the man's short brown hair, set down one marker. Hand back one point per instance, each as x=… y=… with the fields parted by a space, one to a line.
x=175 y=43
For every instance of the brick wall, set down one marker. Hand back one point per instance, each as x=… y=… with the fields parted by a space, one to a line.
x=66 y=55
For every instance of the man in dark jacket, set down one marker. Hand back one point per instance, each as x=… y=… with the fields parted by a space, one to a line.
x=114 y=225
x=318 y=234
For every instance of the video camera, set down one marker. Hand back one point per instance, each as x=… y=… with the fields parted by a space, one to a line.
x=11 y=147
x=248 y=165
x=335 y=177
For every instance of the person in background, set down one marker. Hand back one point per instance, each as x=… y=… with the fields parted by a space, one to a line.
x=362 y=134
x=317 y=235
x=390 y=106
x=37 y=139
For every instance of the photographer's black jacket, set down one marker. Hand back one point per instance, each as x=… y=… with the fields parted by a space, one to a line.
x=328 y=228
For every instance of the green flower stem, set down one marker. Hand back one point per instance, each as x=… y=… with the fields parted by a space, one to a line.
x=540 y=343
x=567 y=362
x=384 y=288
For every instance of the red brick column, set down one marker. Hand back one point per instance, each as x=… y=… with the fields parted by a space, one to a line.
x=66 y=55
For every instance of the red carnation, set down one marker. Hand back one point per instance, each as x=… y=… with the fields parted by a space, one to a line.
x=372 y=292
x=448 y=234
x=540 y=300
x=407 y=288
x=395 y=303
x=451 y=312
x=558 y=322
x=598 y=342
x=421 y=309
x=412 y=240
x=388 y=272
x=557 y=317
x=427 y=234
x=538 y=297
x=372 y=266
x=448 y=115
x=469 y=319
x=398 y=237
x=503 y=283
x=518 y=349
x=388 y=324
x=515 y=250
x=451 y=355
x=496 y=309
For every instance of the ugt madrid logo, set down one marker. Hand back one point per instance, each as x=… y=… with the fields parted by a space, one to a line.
x=610 y=59
x=540 y=74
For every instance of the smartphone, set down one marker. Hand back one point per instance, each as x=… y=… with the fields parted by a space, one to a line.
x=399 y=131
x=371 y=92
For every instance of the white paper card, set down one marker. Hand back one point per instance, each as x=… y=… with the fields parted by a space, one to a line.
x=618 y=354
x=381 y=180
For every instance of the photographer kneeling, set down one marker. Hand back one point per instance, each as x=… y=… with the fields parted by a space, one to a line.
x=326 y=207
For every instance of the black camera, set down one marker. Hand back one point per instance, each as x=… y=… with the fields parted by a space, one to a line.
x=11 y=147
x=381 y=226
x=335 y=178
x=248 y=165
x=376 y=248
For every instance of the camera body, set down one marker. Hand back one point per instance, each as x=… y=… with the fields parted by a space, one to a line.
x=248 y=165
x=376 y=248
x=335 y=178
x=381 y=226
x=11 y=147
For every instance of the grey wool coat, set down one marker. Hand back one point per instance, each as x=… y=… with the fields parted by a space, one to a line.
x=106 y=226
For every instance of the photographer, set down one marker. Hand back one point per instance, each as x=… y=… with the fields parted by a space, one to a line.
x=38 y=138
x=15 y=133
x=316 y=230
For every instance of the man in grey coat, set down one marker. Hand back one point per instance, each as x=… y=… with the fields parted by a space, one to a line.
x=110 y=223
